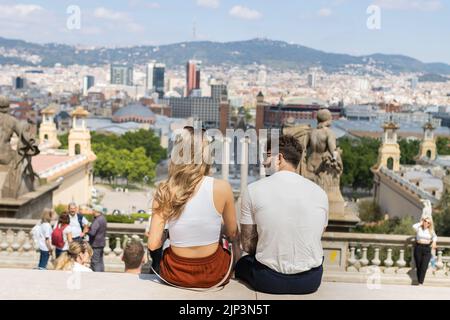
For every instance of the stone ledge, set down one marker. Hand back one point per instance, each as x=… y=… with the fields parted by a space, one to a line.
x=20 y=284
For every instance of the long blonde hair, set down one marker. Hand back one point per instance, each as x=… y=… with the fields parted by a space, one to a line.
x=431 y=226
x=66 y=260
x=172 y=195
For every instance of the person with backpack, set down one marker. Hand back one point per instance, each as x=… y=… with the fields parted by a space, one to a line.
x=62 y=234
x=42 y=234
x=78 y=223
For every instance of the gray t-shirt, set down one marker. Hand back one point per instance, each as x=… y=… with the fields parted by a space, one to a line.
x=290 y=213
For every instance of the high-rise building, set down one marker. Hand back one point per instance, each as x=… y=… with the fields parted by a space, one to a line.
x=155 y=79
x=88 y=82
x=192 y=76
x=217 y=90
x=18 y=83
x=158 y=79
x=312 y=80
x=149 y=83
x=262 y=76
x=122 y=75
x=214 y=112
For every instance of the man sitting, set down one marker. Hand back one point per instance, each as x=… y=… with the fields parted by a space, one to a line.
x=133 y=257
x=282 y=221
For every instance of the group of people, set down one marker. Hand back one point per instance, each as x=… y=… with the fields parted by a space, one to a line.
x=282 y=220
x=66 y=239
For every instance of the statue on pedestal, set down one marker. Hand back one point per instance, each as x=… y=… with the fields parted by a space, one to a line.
x=321 y=161
x=16 y=172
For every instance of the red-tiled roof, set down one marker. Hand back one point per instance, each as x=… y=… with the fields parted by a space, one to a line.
x=43 y=162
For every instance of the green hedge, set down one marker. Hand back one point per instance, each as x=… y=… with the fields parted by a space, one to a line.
x=122 y=218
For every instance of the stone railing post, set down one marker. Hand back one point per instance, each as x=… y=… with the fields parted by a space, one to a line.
x=364 y=261
x=439 y=264
x=27 y=243
x=376 y=259
x=352 y=260
x=118 y=250
x=107 y=249
x=4 y=244
x=389 y=262
x=401 y=263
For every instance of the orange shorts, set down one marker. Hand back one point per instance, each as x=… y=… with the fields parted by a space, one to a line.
x=196 y=272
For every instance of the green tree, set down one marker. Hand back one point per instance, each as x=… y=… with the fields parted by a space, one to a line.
x=409 y=150
x=64 y=139
x=140 y=167
x=358 y=156
x=106 y=166
x=146 y=139
x=369 y=211
x=443 y=146
x=441 y=218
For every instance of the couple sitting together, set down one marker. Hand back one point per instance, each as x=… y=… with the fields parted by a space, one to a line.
x=282 y=220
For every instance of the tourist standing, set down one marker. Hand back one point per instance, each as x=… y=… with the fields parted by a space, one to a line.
x=282 y=221
x=62 y=234
x=426 y=239
x=78 y=223
x=42 y=233
x=97 y=235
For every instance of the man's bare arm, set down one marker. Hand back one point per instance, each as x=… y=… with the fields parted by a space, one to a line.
x=249 y=238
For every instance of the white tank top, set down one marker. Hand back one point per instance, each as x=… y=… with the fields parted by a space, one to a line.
x=200 y=223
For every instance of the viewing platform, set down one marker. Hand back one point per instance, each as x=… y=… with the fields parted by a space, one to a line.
x=19 y=284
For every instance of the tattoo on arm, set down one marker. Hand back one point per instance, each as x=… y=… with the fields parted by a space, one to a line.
x=249 y=238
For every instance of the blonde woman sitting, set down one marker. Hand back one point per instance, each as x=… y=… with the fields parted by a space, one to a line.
x=194 y=205
x=76 y=258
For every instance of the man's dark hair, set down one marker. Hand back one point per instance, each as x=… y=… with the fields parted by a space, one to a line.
x=64 y=218
x=289 y=147
x=133 y=254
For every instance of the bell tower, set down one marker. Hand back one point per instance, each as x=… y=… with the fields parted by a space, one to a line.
x=48 y=134
x=79 y=135
x=428 y=149
x=389 y=151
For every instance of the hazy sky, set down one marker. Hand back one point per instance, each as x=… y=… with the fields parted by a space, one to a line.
x=418 y=28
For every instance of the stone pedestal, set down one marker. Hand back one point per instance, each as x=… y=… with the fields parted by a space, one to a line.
x=29 y=205
x=340 y=217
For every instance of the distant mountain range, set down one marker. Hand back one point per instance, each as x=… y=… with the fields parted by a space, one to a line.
x=275 y=54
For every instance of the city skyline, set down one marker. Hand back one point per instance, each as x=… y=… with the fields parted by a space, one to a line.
x=412 y=28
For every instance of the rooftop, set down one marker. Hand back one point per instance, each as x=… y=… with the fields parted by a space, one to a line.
x=41 y=285
x=134 y=110
x=49 y=165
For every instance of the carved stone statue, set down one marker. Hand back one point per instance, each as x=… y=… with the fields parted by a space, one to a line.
x=321 y=161
x=16 y=172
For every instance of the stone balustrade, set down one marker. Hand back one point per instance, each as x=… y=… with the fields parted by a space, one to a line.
x=387 y=254
x=18 y=250
x=349 y=253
